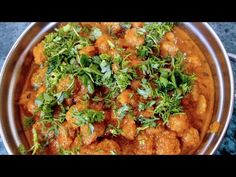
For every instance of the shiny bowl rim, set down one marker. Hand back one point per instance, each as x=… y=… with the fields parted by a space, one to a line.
x=232 y=87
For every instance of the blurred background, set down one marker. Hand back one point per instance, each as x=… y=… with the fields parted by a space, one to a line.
x=10 y=31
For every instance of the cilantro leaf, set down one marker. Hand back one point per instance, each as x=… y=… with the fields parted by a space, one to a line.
x=146 y=89
x=95 y=33
x=122 y=111
x=87 y=116
x=87 y=82
x=115 y=131
x=146 y=123
x=143 y=106
x=28 y=122
x=22 y=150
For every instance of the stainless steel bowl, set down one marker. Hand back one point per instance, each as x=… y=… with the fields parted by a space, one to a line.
x=19 y=59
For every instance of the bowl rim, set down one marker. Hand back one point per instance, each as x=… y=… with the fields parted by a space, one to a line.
x=2 y=136
x=232 y=87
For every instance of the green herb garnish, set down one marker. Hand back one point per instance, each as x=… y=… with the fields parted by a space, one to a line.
x=22 y=150
x=36 y=145
x=87 y=116
x=28 y=122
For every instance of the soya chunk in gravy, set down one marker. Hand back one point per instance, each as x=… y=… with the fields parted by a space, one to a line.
x=117 y=88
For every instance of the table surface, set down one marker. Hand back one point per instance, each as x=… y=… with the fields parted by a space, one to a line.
x=10 y=31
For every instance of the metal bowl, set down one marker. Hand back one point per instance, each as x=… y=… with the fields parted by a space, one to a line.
x=19 y=59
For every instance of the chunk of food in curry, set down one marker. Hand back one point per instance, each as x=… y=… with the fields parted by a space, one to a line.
x=117 y=88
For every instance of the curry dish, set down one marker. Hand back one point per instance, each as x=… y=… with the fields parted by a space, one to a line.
x=116 y=88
